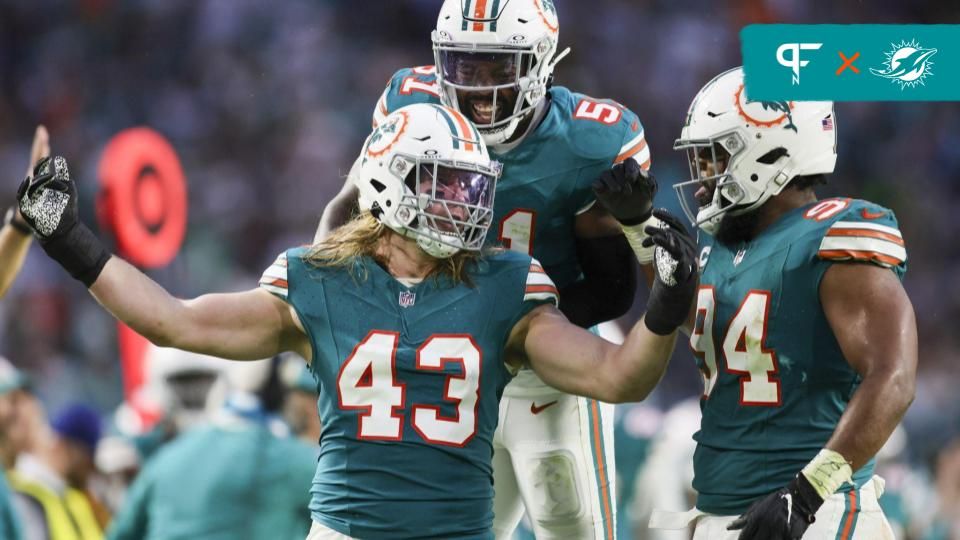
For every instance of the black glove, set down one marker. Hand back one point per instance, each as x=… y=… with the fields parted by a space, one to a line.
x=782 y=515
x=675 y=274
x=48 y=203
x=626 y=191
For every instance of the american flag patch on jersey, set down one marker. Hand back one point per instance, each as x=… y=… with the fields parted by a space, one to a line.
x=827 y=123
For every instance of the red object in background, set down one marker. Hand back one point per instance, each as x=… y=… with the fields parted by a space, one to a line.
x=143 y=203
x=143 y=198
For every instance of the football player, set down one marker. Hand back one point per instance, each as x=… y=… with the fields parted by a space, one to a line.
x=15 y=235
x=410 y=330
x=804 y=334
x=494 y=64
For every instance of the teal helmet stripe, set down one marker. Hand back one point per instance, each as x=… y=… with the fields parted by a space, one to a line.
x=476 y=134
x=494 y=14
x=466 y=13
x=451 y=124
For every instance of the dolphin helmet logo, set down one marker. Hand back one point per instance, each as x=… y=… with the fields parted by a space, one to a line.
x=766 y=114
x=907 y=64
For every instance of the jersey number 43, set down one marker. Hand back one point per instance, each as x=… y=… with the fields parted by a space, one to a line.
x=368 y=382
x=742 y=348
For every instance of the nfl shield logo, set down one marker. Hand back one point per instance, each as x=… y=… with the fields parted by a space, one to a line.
x=407 y=298
x=738 y=258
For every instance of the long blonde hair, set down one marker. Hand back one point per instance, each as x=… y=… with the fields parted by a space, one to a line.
x=361 y=236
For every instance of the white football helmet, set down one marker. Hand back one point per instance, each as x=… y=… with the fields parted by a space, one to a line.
x=178 y=383
x=755 y=147
x=484 y=47
x=425 y=173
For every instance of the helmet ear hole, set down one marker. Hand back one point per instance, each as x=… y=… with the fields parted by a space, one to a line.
x=773 y=156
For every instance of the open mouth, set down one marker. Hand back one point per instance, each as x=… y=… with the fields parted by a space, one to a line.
x=483 y=111
x=704 y=194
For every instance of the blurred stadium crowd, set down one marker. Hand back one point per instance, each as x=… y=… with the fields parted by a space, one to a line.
x=267 y=104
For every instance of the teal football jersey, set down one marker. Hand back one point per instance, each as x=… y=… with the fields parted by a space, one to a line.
x=775 y=379
x=410 y=380
x=547 y=177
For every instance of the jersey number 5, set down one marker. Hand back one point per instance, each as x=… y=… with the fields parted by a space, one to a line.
x=597 y=111
x=743 y=348
x=368 y=382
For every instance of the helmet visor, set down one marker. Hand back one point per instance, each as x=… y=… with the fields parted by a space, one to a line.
x=483 y=69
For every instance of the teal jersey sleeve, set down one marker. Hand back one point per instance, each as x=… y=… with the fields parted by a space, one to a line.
x=407 y=87
x=600 y=130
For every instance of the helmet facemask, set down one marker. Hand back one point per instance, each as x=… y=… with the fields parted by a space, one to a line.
x=712 y=190
x=448 y=204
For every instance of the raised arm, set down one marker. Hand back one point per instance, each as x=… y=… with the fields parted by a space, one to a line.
x=15 y=235
x=239 y=326
x=609 y=280
x=339 y=210
x=247 y=325
x=579 y=362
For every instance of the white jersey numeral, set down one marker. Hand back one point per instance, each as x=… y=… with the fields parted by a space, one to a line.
x=463 y=390
x=368 y=382
x=742 y=348
x=415 y=84
x=701 y=338
x=598 y=112
x=516 y=230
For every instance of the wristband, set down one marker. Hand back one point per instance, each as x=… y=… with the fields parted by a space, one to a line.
x=827 y=472
x=635 y=236
x=79 y=252
x=18 y=224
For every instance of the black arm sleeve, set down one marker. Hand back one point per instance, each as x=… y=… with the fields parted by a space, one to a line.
x=608 y=285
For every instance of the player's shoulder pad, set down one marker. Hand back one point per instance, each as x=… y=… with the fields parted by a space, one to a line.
x=526 y=271
x=407 y=87
x=600 y=128
x=276 y=277
x=858 y=230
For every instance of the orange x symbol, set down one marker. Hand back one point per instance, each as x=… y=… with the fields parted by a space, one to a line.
x=848 y=62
